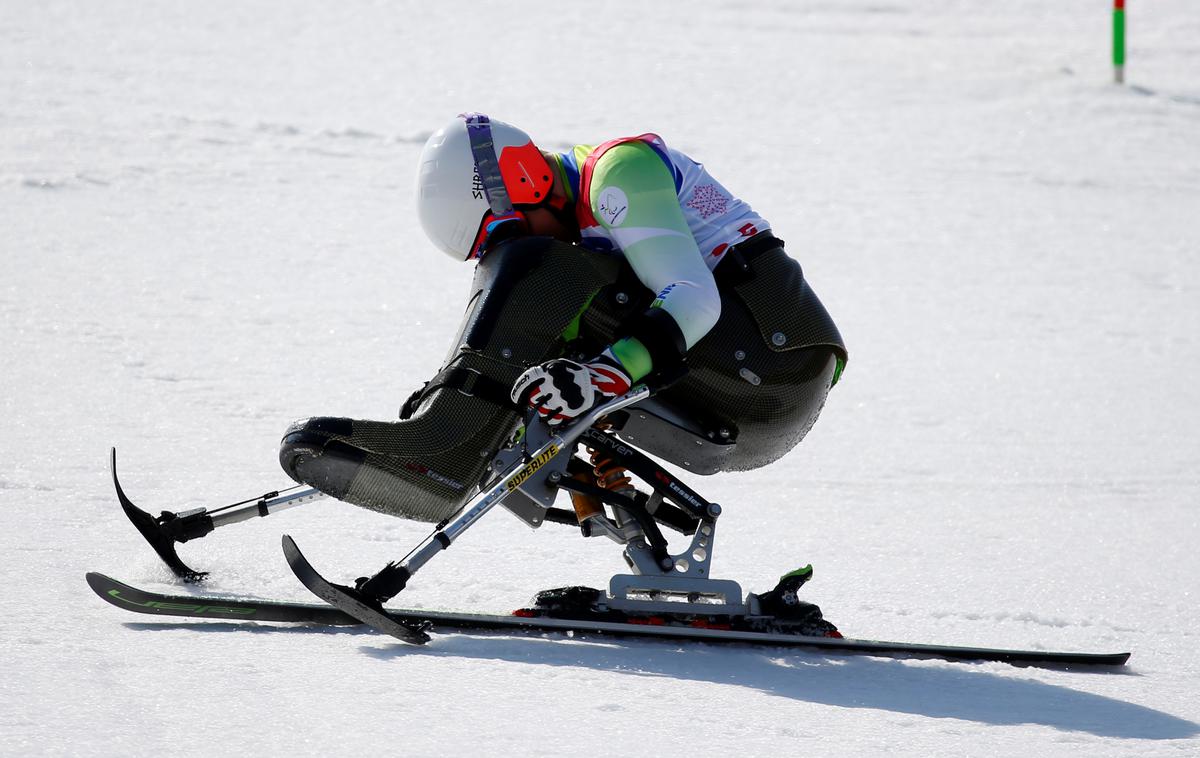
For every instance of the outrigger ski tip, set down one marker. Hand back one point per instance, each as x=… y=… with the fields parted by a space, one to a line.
x=155 y=531
x=166 y=529
x=348 y=601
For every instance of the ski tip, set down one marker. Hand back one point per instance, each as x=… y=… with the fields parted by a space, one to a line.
x=290 y=549
x=105 y=586
x=95 y=579
x=301 y=566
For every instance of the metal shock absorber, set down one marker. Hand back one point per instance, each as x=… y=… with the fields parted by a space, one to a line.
x=589 y=509
x=612 y=476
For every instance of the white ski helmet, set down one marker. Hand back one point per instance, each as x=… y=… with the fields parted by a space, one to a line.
x=471 y=174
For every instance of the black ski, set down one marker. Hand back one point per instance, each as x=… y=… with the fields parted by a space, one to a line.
x=215 y=608
x=241 y=610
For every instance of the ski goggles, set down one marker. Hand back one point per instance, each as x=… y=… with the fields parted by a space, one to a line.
x=495 y=229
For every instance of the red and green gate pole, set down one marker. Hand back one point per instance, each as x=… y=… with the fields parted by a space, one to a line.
x=1118 y=50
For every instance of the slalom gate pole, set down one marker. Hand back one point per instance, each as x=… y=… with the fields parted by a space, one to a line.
x=1118 y=46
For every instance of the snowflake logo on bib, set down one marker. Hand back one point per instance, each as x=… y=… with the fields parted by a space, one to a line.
x=707 y=200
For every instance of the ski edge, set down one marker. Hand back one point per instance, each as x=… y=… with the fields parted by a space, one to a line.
x=240 y=610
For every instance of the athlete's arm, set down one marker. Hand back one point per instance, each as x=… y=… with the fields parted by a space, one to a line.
x=633 y=197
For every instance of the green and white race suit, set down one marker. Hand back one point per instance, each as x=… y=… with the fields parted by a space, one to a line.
x=668 y=217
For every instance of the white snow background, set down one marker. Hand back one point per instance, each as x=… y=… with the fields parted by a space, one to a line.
x=207 y=230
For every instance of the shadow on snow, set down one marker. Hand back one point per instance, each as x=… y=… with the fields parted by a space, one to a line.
x=936 y=689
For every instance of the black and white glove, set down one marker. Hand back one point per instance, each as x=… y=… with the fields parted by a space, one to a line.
x=562 y=390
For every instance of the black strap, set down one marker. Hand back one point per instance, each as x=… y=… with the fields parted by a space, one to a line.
x=468 y=381
x=734 y=267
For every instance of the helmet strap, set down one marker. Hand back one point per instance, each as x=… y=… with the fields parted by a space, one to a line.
x=483 y=149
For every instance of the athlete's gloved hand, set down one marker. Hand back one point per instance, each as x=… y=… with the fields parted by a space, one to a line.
x=562 y=390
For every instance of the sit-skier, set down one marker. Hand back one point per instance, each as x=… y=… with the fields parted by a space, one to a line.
x=598 y=268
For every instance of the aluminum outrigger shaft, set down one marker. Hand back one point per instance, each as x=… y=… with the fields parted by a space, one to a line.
x=394 y=577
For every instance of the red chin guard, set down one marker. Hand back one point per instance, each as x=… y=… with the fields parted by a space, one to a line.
x=526 y=174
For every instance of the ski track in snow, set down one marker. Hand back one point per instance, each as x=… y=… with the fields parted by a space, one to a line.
x=207 y=230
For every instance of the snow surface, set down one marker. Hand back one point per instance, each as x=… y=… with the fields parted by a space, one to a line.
x=207 y=230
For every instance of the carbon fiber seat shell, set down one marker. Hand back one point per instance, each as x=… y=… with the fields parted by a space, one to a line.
x=746 y=400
